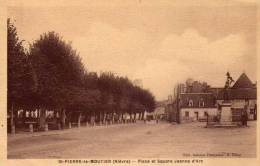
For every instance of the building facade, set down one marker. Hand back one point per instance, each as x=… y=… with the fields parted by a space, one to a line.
x=196 y=106
x=200 y=100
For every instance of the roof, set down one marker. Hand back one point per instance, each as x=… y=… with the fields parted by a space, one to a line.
x=243 y=93
x=208 y=98
x=243 y=82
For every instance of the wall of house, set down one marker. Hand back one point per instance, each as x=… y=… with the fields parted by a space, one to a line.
x=237 y=103
x=192 y=114
x=240 y=104
x=251 y=109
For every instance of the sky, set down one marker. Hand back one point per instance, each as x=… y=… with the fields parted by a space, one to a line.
x=160 y=42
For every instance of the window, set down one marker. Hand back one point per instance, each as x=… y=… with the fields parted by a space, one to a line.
x=190 y=103
x=247 y=101
x=205 y=113
x=201 y=103
x=186 y=114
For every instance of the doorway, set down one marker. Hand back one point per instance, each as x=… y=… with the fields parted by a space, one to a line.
x=196 y=116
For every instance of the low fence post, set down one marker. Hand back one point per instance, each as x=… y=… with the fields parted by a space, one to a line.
x=59 y=126
x=31 y=128
x=46 y=128
x=13 y=129
x=69 y=125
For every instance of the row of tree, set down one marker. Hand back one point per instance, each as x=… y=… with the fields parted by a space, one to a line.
x=194 y=86
x=51 y=76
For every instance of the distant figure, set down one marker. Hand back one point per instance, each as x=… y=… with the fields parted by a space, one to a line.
x=244 y=118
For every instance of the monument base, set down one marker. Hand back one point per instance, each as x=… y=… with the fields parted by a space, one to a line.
x=225 y=117
x=226 y=113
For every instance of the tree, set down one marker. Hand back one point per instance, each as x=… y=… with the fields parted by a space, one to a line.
x=59 y=71
x=62 y=84
x=21 y=79
x=196 y=86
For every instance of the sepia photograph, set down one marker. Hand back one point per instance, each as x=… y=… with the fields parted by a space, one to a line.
x=131 y=82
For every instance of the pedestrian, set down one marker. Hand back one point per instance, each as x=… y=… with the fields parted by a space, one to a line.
x=244 y=118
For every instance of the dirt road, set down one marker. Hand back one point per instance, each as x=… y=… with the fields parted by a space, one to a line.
x=161 y=140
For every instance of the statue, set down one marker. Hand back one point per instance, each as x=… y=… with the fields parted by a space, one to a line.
x=227 y=86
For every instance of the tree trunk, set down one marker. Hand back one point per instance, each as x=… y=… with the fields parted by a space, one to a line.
x=142 y=115
x=113 y=117
x=122 y=118
x=139 y=115
x=38 y=113
x=63 y=118
x=93 y=115
x=104 y=118
x=100 y=118
x=12 y=120
x=24 y=116
x=12 y=115
x=119 y=117
x=79 y=120
x=131 y=117
x=55 y=117
x=15 y=118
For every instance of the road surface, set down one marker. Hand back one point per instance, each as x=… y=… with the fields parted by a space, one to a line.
x=140 y=140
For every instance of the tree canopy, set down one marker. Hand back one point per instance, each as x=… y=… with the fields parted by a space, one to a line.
x=21 y=79
x=52 y=76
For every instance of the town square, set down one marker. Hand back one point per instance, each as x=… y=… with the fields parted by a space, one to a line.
x=136 y=141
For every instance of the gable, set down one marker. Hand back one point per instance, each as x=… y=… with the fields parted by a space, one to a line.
x=243 y=82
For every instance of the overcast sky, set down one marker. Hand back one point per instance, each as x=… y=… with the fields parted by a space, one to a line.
x=159 y=42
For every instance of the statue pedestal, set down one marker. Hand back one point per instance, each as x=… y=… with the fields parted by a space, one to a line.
x=226 y=113
x=226 y=116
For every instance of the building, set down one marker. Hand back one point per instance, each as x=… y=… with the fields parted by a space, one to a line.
x=171 y=112
x=201 y=100
x=196 y=106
